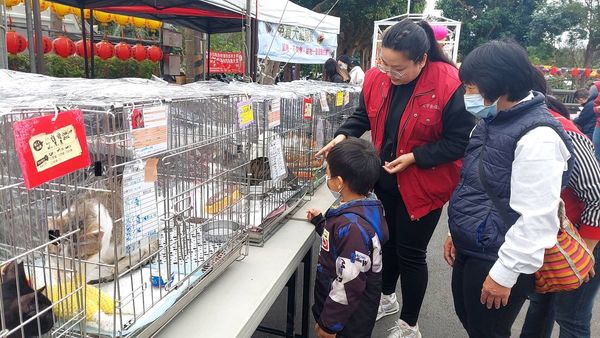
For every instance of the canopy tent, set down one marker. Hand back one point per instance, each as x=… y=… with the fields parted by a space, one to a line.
x=216 y=16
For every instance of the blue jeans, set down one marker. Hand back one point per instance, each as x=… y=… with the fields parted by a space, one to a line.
x=596 y=142
x=572 y=310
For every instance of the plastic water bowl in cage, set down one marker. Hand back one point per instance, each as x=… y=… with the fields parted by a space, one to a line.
x=220 y=231
x=160 y=277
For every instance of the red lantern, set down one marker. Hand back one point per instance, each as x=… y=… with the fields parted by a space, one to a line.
x=63 y=46
x=105 y=50
x=46 y=45
x=80 y=50
x=15 y=42
x=139 y=52
x=155 y=54
x=123 y=51
x=575 y=72
x=587 y=73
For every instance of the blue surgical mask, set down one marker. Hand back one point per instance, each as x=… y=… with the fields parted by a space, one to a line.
x=475 y=105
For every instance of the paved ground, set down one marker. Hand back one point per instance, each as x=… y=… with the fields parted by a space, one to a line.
x=437 y=320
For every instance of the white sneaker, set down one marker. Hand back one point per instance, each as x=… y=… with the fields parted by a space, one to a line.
x=403 y=330
x=388 y=305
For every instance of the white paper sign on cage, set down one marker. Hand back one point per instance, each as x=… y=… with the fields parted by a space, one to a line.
x=140 y=213
x=149 y=130
x=276 y=159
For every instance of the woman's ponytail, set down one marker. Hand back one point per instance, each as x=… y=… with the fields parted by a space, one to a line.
x=435 y=51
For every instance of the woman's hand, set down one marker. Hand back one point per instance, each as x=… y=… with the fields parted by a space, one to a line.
x=326 y=149
x=322 y=334
x=494 y=294
x=399 y=164
x=312 y=213
x=449 y=251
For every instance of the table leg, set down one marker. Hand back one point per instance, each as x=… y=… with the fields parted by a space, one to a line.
x=307 y=261
x=291 y=306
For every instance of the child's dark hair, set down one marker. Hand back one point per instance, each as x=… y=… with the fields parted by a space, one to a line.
x=581 y=93
x=356 y=161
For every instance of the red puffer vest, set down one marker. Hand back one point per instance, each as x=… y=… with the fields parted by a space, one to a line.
x=423 y=190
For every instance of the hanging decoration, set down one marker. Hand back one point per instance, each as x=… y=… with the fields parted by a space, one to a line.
x=138 y=22
x=155 y=54
x=440 y=32
x=46 y=45
x=123 y=51
x=103 y=17
x=15 y=42
x=44 y=5
x=139 y=52
x=153 y=25
x=105 y=50
x=77 y=12
x=80 y=50
x=574 y=72
x=9 y=4
x=63 y=46
x=122 y=20
x=62 y=10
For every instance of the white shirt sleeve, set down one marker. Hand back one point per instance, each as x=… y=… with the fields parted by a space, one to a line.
x=540 y=160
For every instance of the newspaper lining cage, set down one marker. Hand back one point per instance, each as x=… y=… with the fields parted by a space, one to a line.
x=145 y=201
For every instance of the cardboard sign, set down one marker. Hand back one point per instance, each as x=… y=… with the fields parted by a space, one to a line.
x=308 y=108
x=274 y=116
x=50 y=148
x=245 y=114
x=149 y=130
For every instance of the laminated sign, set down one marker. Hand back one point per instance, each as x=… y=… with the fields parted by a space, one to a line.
x=339 y=99
x=308 y=108
x=50 y=146
x=245 y=113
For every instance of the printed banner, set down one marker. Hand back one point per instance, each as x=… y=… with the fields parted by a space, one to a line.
x=294 y=44
x=227 y=62
x=50 y=147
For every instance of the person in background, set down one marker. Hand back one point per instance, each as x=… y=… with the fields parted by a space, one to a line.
x=333 y=73
x=586 y=121
x=581 y=96
x=348 y=280
x=572 y=310
x=503 y=215
x=413 y=104
x=357 y=76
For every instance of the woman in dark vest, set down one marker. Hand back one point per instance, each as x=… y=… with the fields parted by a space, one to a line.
x=503 y=214
x=413 y=104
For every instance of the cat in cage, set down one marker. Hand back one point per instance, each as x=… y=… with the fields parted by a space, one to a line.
x=97 y=214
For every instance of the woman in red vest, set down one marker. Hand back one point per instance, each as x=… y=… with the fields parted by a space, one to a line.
x=413 y=104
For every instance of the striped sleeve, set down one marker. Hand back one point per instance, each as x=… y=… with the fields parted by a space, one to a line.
x=585 y=182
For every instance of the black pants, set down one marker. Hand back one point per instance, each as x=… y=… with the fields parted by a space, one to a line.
x=468 y=276
x=404 y=255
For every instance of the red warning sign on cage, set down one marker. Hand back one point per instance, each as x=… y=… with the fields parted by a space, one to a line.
x=51 y=146
x=308 y=108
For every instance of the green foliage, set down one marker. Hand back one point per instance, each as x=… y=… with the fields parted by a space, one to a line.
x=357 y=17
x=226 y=42
x=73 y=66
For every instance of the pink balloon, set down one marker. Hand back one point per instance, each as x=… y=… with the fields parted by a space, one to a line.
x=440 y=32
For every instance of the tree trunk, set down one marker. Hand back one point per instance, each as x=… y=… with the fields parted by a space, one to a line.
x=268 y=72
x=56 y=25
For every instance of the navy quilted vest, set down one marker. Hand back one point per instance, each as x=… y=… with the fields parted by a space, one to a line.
x=476 y=226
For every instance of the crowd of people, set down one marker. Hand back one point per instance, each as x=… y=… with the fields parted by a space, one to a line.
x=489 y=140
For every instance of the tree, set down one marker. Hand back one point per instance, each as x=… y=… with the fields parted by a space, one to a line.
x=356 y=21
x=485 y=20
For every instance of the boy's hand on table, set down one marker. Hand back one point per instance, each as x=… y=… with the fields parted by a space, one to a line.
x=312 y=213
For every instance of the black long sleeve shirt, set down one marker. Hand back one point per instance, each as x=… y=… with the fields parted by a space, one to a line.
x=457 y=124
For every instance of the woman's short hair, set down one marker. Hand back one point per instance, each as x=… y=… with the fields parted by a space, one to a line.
x=499 y=67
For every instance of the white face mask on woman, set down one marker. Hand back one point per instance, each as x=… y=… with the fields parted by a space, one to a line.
x=475 y=105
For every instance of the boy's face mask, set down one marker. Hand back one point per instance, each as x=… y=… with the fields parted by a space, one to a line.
x=336 y=194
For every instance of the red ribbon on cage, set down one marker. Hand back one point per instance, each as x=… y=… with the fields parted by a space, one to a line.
x=51 y=146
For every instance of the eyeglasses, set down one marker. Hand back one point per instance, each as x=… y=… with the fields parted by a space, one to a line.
x=389 y=71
